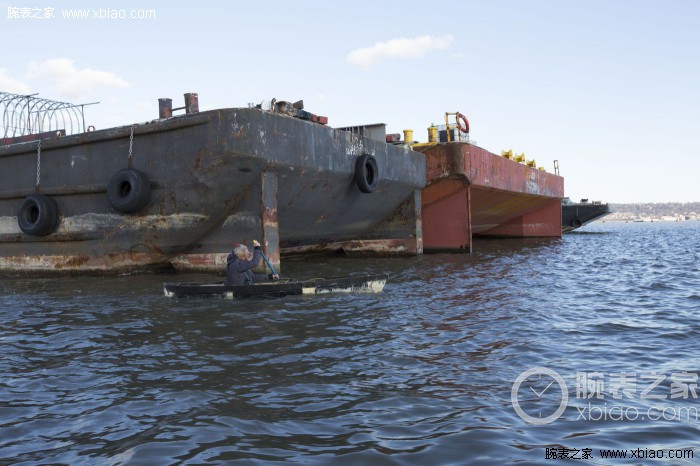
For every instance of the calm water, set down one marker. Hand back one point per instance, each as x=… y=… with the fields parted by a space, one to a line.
x=108 y=371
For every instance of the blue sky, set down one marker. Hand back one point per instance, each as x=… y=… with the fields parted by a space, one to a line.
x=611 y=88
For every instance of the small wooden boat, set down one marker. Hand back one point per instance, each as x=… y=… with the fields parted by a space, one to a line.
x=279 y=288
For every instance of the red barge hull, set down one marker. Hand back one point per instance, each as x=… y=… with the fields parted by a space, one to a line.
x=472 y=192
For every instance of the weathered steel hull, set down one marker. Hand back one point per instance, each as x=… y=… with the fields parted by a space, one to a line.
x=216 y=177
x=576 y=215
x=472 y=192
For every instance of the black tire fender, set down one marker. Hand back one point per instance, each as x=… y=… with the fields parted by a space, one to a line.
x=366 y=173
x=38 y=215
x=129 y=190
x=577 y=222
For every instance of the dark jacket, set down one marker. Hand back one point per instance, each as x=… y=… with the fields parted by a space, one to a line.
x=239 y=271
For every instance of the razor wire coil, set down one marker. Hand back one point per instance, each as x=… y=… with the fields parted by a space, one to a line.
x=23 y=115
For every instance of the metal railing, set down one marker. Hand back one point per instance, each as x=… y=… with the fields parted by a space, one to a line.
x=454 y=132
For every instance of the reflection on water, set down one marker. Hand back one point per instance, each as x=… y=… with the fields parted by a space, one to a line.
x=108 y=371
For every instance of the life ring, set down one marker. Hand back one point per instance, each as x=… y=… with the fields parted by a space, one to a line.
x=366 y=173
x=462 y=119
x=38 y=215
x=129 y=190
x=577 y=222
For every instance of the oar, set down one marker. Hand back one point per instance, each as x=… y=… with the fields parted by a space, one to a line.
x=268 y=263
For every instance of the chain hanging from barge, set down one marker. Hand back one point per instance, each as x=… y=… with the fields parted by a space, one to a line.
x=25 y=115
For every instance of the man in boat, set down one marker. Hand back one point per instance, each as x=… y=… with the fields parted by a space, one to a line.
x=240 y=264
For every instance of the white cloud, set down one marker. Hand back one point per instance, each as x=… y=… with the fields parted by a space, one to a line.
x=72 y=82
x=12 y=85
x=402 y=48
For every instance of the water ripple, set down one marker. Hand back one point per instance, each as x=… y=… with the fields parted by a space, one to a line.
x=107 y=371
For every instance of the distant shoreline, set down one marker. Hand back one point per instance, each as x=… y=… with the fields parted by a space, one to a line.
x=654 y=212
x=644 y=220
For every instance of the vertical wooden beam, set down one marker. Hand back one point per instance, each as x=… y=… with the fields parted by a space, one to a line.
x=270 y=225
x=418 y=221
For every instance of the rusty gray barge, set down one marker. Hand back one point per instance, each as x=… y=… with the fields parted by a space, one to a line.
x=177 y=191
